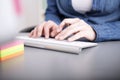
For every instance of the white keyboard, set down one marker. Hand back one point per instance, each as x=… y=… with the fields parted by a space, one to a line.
x=73 y=47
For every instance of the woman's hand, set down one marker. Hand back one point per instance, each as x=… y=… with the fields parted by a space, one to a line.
x=47 y=29
x=76 y=27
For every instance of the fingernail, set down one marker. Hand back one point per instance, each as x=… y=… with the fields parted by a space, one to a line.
x=61 y=38
x=29 y=35
x=56 y=37
x=46 y=37
x=69 y=40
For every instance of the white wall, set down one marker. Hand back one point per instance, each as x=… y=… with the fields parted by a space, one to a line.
x=8 y=21
x=11 y=22
x=33 y=11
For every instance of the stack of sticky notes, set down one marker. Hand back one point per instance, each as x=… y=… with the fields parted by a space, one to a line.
x=11 y=50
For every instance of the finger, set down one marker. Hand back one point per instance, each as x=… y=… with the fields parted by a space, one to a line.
x=76 y=36
x=40 y=29
x=35 y=33
x=62 y=25
x=67 y=22
x=47 y=28
x=31 y=33
x=54 y=33
x=63 y=34
x=67 y=32
x=46 y=32
x=54 y=30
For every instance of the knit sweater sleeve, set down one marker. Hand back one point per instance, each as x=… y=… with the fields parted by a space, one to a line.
x=107 y=31
x=52 y=12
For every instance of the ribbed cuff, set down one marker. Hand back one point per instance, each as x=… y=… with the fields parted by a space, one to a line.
x=101 y=33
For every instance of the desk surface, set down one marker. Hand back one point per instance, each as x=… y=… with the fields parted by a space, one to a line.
x=102 y=61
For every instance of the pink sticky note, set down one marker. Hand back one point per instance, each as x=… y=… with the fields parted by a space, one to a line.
x=14 y=43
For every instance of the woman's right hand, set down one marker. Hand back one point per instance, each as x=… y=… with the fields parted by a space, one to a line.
x=46 y=29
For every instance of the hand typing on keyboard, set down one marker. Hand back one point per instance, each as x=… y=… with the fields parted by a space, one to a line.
x=75 y=27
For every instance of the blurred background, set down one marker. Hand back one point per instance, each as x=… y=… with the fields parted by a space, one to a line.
x=16 y=15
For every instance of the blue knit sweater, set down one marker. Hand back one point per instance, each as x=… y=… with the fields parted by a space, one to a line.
x=104 y=16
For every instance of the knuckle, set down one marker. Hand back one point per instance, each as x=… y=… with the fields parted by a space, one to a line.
x=65 y=20
x=68 y=31
x=77 y=19
x=82 y=20
x=37 y=27
x=50 y=21
x=32 y=31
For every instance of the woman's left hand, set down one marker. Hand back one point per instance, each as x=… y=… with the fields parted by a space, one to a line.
x=76 y=27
